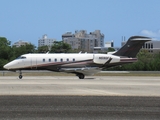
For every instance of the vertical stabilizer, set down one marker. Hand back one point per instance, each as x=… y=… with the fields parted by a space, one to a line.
x=132 y=46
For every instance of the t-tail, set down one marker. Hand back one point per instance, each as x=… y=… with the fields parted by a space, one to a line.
x=132 y=46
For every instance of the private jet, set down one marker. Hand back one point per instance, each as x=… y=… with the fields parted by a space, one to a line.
x=80 y=64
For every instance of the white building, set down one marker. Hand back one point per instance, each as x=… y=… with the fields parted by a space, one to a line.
x=109 y=44
x=20 y=43
x=44 y=41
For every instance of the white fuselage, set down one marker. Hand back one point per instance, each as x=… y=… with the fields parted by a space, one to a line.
x=64 y=60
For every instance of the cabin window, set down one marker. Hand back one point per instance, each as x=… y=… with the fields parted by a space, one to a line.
x=55 y=60
x=43 y=60
x=61 y=60
x=73 y=59
x=67 y=59
x=49 y=60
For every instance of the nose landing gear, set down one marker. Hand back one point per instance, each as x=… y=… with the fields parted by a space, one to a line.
x=20 y=75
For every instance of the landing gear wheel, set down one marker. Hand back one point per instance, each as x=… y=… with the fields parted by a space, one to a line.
x=20 y=76
x=81 y=76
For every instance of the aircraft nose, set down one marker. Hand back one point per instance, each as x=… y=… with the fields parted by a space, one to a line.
x=6 y=66
x=11 y=65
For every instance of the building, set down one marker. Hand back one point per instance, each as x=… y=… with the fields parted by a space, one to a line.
x=20 y=43
x=45 y=41
x=100 y=50
x=83 y=41
x=123 y=41
x=109 y=44
x=152 y=46
x=69 y=38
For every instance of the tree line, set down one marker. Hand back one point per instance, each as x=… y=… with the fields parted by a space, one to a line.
x=146 y=61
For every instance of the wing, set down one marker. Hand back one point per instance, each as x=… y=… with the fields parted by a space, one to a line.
x=84 y=70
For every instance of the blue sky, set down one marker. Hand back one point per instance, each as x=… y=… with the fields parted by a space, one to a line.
x=28 y=20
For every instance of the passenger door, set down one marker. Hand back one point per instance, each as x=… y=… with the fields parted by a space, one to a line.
x=34 y=63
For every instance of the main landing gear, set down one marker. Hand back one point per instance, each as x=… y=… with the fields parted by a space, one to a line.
x=80 y=75
x=20 y=75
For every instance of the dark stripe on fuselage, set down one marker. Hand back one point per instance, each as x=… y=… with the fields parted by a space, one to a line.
x=55 y=66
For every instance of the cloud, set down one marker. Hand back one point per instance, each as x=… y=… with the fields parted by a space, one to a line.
x=149 y=33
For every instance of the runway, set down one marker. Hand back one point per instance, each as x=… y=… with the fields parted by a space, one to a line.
x=79 y=108
x=90 y=86
x=69 y=98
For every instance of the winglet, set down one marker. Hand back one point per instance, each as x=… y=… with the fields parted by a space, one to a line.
x=132 y=46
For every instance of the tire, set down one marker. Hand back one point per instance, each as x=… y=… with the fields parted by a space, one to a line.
x=81 y=76
x=20 y=76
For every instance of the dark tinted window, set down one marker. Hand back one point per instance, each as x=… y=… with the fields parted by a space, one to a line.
x=21 y=57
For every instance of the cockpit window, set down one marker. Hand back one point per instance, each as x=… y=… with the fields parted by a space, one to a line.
x=21 y=57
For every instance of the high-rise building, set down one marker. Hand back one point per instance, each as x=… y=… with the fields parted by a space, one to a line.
x=45 y=41
x=83 y=41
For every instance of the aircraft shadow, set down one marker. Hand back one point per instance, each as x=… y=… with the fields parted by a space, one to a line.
x=89 y=78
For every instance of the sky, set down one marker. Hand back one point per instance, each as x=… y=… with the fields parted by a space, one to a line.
x=29 y=20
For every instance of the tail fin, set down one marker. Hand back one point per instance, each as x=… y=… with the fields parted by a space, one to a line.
x=132 y=46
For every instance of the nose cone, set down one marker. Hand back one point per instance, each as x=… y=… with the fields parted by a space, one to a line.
x=6 y=66
x=12 y=65
x=9 y=65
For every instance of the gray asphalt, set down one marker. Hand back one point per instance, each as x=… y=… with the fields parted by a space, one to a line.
x=79 y=108
x=68 y=98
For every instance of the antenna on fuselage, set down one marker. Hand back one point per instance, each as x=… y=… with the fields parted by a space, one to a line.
x=47 y=52
x=80 y=52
